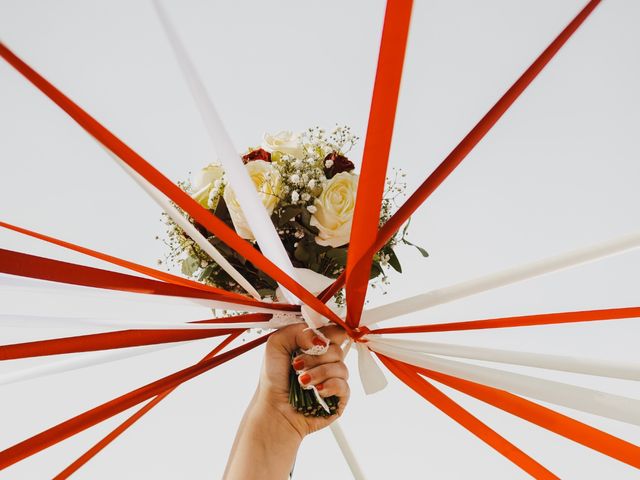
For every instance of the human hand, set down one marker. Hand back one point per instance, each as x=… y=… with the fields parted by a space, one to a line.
x=326 y=372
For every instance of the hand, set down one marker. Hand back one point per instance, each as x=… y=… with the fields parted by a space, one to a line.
x=326 y=372
x=271 y=430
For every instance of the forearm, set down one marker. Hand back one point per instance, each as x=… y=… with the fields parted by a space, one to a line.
x=265 y=446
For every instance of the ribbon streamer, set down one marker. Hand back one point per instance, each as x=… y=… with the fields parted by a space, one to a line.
x=587 y=400
x=81 y=422
x=521 y=321
x=157 y=274
x=188 y=227
x=70 y=364
x=251 y=205
x=151 y=174
x=32 y=266
x=98 y=447
x=36 y=321
x=466 y=419
x=477 y=133
x=502 y=278
x=544 y=417
x=366 y=215
x=587 y=366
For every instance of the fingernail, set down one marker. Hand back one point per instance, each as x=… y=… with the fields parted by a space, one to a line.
x=319 y=387
x=305 y=378
x=298 y=364
x=317 y=341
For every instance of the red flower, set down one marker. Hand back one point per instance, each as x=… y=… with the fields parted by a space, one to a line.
x=258 y=154
x=337 y=164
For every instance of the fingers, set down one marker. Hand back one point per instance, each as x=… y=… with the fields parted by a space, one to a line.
x=305 y=361
x=334 y=386
x=323 y=373
x=299 y=336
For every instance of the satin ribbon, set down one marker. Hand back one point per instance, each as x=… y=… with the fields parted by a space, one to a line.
x=243 y=187
x=77 y=363
x=32 y=266
x=587 y=400
x=188 y=228
x=103 y=341
x=107 y=410
x=430 y=393
x=153 y=176
x=502 y=278
x=564 y=363
x=100 y=445
x=472 y=138
x=521 y=321
x=152 y=272
x=546 y=418
x=366 y=216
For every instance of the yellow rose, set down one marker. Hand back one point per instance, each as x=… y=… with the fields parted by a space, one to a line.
x=334 y=210
x=284 y=142
x=208 y=178
x=268 y=183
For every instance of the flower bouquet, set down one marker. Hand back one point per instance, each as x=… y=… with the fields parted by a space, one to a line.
x=308 y=186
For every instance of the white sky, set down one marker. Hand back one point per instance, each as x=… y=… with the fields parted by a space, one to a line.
x=559 y=171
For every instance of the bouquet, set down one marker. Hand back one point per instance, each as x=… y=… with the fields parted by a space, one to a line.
x=308 y=185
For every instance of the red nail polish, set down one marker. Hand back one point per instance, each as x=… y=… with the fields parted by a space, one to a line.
x=319 y=387
x=305 y=378
x=298 y=364
x=317 y=341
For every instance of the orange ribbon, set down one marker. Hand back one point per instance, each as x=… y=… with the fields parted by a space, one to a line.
x=113 y=407
x=521 y=321
x=386 y=89
x=407 y=374
x=111 y=436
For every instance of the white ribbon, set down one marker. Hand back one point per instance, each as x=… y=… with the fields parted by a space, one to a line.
x=78 y=362
x=241 y=182
x=14 y=286
x=601 y=368
x=501 y=278
x=187 y=226
x=587 y=400
x=40 y=321
x=371 y=376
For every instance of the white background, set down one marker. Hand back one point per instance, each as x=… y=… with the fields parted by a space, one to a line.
x=559 y=171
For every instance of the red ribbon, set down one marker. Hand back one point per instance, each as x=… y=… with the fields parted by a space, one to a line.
x=107 y=410
x=152 y=272
x=32 y=266
x=162 y=183
x=544 y=417
x=111 y=436
x=469 y=141
x=386 y=89
x=521 y=321
x=120 y=339
x=407 y=374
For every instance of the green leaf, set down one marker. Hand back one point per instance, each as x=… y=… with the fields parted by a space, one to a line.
x=189 y=265
x=422 y=251
x=406 y=228
x=376 y=270
x=394 y=262
x=286 y=214
x=301 y=254
x=206 y=272
x=338 y=255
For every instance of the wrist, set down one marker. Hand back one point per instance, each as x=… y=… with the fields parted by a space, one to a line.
x=280 y=425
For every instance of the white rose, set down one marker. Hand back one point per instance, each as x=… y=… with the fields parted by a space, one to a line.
x=268 y=183
x=204 y=182
x=284 y=142
x=334 y=210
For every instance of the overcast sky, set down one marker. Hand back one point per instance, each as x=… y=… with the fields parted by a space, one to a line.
x=559 y=171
